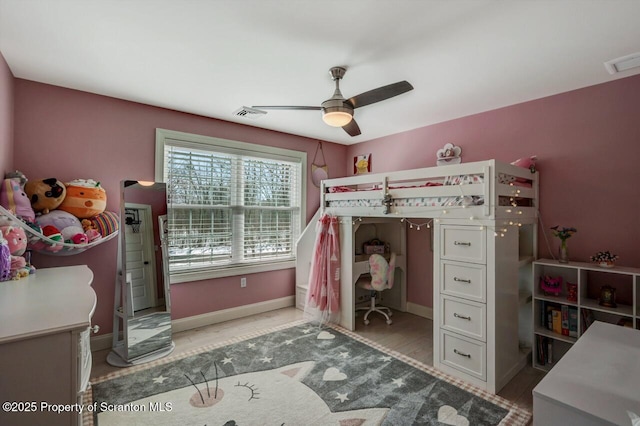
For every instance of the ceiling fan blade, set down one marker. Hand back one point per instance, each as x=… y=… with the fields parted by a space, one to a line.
x=380 y=94
x=288 y=107
x=352 y=128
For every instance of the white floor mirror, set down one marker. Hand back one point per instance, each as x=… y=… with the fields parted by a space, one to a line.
x=142 y=304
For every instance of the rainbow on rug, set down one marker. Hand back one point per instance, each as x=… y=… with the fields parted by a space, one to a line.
x=296 y=375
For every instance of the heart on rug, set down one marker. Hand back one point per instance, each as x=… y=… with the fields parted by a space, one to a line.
x=449 y=416
x=333 y=375
x=325 y=335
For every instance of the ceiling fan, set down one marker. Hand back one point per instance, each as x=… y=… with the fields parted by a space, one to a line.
x=338 y=111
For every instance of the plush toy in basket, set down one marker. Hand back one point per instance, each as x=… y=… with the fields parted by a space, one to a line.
x=45 y=194
x=66 y=224
x=14 y=199
x=85 y=198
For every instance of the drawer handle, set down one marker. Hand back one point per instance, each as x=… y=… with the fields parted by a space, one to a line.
x=461 y=243
x=461 y=280
x=457 y=315
x=455 y=351
x=95 y=328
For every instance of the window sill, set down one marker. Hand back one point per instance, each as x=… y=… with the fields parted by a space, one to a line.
x=185 y=277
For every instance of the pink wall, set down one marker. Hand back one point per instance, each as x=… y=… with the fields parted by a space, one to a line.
x=6 y=117
x=69 y=134
x=588 y=145
x=588 y=142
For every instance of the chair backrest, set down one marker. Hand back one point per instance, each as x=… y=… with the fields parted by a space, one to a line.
x=391 y=273
x=382 y=272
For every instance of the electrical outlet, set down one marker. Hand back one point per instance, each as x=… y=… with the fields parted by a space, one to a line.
x=243 y=282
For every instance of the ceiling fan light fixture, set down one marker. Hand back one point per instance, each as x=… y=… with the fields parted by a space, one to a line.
x=336 y=118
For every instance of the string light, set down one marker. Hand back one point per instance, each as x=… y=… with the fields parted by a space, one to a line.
x=417 y=225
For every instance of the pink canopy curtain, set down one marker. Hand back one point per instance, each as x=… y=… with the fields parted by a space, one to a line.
x=323 y=296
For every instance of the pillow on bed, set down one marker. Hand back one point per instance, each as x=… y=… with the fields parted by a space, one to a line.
x=527 y=163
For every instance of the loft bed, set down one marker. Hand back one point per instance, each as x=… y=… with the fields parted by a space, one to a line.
x=487 y=190
x=40 y=243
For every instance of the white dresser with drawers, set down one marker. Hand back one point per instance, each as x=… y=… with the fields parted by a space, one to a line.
x=45 y=355
x=476 y=303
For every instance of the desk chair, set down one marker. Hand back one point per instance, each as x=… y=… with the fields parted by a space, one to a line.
x=380 y=278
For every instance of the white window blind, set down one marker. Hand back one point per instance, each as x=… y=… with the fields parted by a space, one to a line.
x=230 y=204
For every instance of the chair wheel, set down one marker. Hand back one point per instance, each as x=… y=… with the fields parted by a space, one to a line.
x=390 y=313
x=389 y=322
x=366 y=322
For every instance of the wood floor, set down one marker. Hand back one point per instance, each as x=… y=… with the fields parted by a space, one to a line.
x=409 y=334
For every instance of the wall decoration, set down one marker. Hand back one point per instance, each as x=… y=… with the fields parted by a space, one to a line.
x=319 y=171
x=449 y=154
x=362 y=164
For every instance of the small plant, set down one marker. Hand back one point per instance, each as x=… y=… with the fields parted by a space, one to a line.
x=563 y=233
x=604 y=257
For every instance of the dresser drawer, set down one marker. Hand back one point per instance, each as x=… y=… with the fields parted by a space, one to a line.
x=463 y=243
x=466 y=355
x=464 y=280
x=463 y=317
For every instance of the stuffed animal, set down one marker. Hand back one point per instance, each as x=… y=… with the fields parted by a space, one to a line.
x=74 y=235
x=17 y=242
x=106 y=223
x=45 y=194
x=14 y=199
x=84 y=198
x=17 y=175
x=60 y=220
x=93 y=235
x=91 y=230
x=52 y=233
x=5 y=260
x=16 y=238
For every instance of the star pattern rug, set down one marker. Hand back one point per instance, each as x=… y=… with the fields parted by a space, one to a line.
x=299 y=374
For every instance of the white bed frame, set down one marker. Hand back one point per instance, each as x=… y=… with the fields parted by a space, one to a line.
x=490 y=189
x=492 y=243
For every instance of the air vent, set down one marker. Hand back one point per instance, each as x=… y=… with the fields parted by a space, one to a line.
x=250 y=113
x=623 y=64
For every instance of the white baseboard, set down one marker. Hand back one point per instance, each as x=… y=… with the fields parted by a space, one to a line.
x=104 y=341
x=421 y=311
x=209 y=318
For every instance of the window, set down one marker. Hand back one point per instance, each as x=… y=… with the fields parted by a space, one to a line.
x=233 y=207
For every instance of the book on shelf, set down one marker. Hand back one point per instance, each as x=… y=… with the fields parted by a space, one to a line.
x=587 y=319
x=544 y=350
x=556 y=316
x=573 y=322
x=565 y=320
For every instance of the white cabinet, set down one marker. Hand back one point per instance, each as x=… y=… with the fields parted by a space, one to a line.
x=478 y=301
x=595 y=383
x=44 y=343
x=581 y=310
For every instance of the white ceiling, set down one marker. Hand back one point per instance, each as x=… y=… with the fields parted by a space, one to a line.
x=212 y=57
